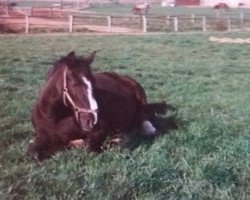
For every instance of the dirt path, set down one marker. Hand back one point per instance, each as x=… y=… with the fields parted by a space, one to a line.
x=230 y=40
x=58 y=23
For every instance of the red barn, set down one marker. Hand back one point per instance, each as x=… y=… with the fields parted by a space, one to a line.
x=187 y=2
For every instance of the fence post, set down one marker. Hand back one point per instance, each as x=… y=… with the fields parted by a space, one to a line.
x=218 y=15
x=7 y=9
x=204 y=23
x=50 y=13
x=77 y=5
x=109 y=23
x=192 y=18
x=229 y=24
x=71 y=23
x=27 y=24
x=168 y=20
x=175 y=24
x=241 y=20
x=144 y=23
x=31 y=12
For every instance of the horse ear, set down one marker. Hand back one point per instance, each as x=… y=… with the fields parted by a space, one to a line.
x=70 y=58
x=91 y=58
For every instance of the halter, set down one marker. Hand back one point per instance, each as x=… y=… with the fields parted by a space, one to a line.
x=66 y=96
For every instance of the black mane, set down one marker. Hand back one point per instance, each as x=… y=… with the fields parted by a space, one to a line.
x=59 y=63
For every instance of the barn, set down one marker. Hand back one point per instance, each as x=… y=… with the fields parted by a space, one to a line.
x=230 y=3
x=187 y=2
x=211 y=3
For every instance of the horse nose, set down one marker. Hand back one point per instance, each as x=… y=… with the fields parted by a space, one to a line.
x=87 y=121
x=90 y=124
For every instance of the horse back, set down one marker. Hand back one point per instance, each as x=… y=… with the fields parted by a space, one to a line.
x=126 y=82
x=120 y=100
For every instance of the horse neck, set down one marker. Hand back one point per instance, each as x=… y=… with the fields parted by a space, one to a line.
x=50 y=103
x=53 y=89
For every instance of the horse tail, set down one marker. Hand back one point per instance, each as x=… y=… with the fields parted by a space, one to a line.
x=149 y=115
x=159 y=108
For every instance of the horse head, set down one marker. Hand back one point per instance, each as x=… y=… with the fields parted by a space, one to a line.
x=78 y=85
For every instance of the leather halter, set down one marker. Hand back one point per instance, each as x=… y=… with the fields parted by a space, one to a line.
x=66 y=96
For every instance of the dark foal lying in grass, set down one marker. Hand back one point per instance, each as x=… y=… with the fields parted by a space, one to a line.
x=78 y=104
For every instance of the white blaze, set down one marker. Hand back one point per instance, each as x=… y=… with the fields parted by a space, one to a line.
x=92 y=101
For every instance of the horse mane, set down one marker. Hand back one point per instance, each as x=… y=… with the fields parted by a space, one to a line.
x=57 y=65
x=60 y=63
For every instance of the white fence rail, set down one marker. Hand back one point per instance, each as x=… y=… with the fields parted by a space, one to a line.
x=103 y=22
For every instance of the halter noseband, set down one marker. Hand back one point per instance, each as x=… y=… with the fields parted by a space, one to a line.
x=66 y=96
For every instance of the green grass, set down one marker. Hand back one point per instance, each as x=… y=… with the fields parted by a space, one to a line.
x=155 y=9
x=31 y=3
x=206 y=158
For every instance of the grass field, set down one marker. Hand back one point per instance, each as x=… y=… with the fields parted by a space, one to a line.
x=206 y=158
x=156 y=9
x=126 y=8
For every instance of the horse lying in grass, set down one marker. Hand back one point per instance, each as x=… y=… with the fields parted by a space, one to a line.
x=78 y=104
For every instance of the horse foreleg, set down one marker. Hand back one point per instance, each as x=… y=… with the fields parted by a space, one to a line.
x=67 y=130
x=39 y=149
x=116 y=139
x=95 y=140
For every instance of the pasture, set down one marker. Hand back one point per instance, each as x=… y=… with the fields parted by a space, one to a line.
x=156 y=9
x=206 y=158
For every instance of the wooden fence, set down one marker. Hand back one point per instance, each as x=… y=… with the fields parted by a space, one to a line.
x=198 y=23
x=79 y=21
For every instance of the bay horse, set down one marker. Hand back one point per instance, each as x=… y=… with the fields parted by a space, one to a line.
x=141 y=9
x=76 y=103
x=221 y=6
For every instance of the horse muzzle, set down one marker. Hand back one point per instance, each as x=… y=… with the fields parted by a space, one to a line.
x=87 y=124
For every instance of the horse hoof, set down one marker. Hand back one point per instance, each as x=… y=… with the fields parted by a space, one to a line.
x=78 y=144
x=148 y=129
x=115 y=141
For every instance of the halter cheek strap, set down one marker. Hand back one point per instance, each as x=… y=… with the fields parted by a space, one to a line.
x=66 y=96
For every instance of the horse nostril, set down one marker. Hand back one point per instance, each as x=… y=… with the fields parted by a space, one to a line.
x=89 y=124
